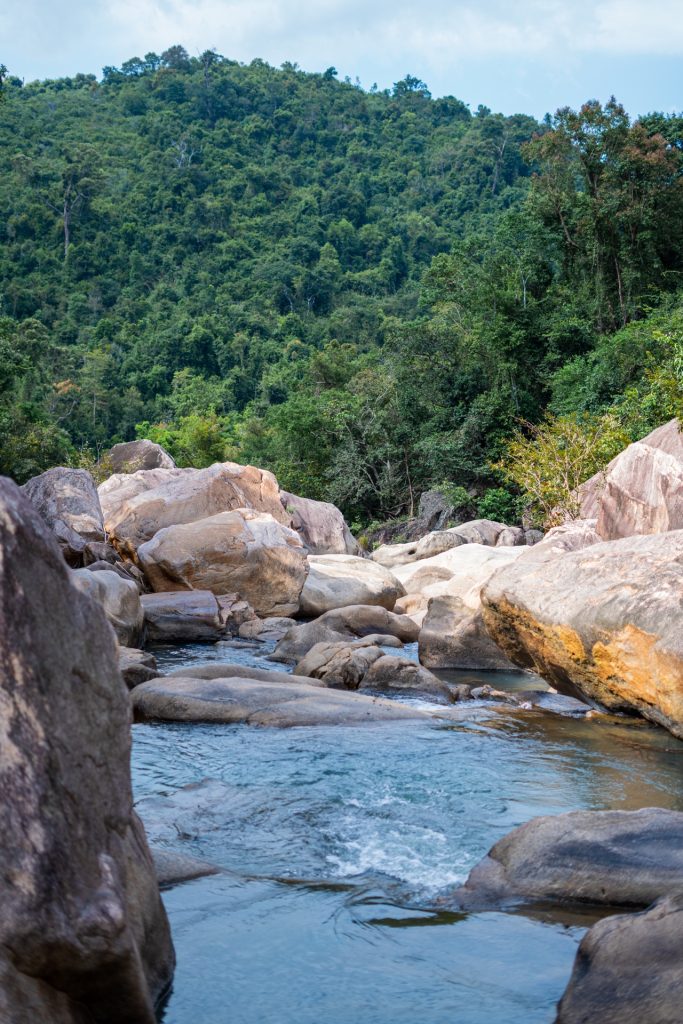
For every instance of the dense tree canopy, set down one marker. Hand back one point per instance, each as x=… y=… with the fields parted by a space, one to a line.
x=364 y=291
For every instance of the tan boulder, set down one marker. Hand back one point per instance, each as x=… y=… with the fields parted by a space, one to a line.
x=131 y=456
x=243 y=552
x=120 y=599
x=641 y=490
x=83 y=933
x=604 y=622
x=335 y=581
x=134 y=512
x=320 y=525
x=459 y=572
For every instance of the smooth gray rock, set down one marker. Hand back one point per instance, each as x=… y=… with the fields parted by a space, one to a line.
x=180 y=615
x=454 y=636
x=131 y=456
x=344 y=624
x=120 y=599
x=227 y=670
x=613 y=858
x=253 y=702
x=68 y=502
x=320 y=525
x=136 y=666
x=174 y=868
x=629 y=969
x=83 y=933
x=337 y=581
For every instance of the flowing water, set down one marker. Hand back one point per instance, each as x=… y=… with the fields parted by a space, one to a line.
x=340 y=844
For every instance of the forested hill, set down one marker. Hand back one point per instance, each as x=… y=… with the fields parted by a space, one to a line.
x=360 y=290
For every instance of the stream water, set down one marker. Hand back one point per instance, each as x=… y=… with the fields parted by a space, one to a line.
x=339 y=845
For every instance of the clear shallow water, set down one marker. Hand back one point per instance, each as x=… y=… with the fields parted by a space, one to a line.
x=339 y=842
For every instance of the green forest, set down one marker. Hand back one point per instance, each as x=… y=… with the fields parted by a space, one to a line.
x=370 y=293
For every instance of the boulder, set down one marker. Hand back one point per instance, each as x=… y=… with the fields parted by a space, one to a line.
x=67 y=501
x=341 y=666
x=641 y=490
x=628 y=969
x=603 y=623
x=183 y=615
x=460 y=572
x=186 y=699
x=126 y=570
x=608 y=858
x=132 y=456
x=120 y=599
x=478 y=531
x=344 y=624
x=320 y=525
x=83 y=932
x=136 y=666
x=393 y=673
x=335 y=581
x=241 y=551
x=226 y=670
x=272 y=628
x=173 y=868
x=453 y=636
x=134 y=511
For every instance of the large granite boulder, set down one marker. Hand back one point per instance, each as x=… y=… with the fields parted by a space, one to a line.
x=335 y=581
x=641 y=490
x=454 y=636
x=320 y=525
x=120 y=599
x=68 y=502
x=83 y=933
x=344 y=624
x=478 y=531
x=243 y=552
x=256 y=702
x=604 y=622
x=131 y=456
x=184 y=615
x=628 y=969
x=134 y=511
x=608 y=858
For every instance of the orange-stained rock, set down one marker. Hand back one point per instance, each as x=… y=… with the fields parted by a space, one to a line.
x=604 y=622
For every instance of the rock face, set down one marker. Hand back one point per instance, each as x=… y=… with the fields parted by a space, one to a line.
x=137 y=506
x=641 y=490
x=335 y=581
x=67 y=501
x=131 y=456
x=344 y=624
x=453 y=636
x=628 y=969
x=243 y=552
x=613 y=858
x=120 y=600
x=604 y=622
x=320 y=525
x=182 y=615
x=83 y=933
x=186 y=699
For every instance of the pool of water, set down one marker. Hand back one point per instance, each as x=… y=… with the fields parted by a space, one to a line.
x=339 y=845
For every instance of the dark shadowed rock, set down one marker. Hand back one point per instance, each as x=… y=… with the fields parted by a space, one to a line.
x=320 y=525
x=628 y=969
x=454 y=636
x=604 y=623
x=184 y=699
x=613 y=858
x=83 y=933
x=183 y=615
x=68 y=502
x=131 y=456
x=344 y=624
x=136 y=666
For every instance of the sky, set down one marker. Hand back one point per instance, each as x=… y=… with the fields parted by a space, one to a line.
x=514 y=56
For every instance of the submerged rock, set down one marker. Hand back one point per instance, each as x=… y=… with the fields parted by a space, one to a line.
x=83 y=932
x=628 y=969
x=174 y=868
x=604 y=623
x=335 y=581
x=613 y=858
x=242 y=551
x=187 y=699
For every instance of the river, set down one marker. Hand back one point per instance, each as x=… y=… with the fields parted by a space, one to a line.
x=340 y=846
